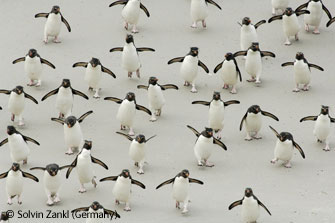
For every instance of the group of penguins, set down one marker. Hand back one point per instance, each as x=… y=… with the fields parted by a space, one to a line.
x=229 y=72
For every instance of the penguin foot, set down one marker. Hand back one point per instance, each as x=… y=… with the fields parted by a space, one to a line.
x=316 y=31
x=39 y=83
x=274 y=160
x=257 y=136
x=296 y=37
x=273 y=11
x=204 y=25
x=127 y=208
x=56 y=40
x=31 y=83
x=50 y=202
x=248 y=138
x=184 y=211
x=94 y=182
x=306 y=88
x=138 y=73
x=24 y=162
x=251 y=80
x=96 y=96
x=200 y=163
x=57 y=199
x=9 y=201
x=288 y=165
x=131 y=132
x=319 y=141
x=258 y=81
x=306 y=28
x=130 y=74
x=134 y=30
x=233 y=91
x=326 y=148
x=158 y=112
x=90 y=88
x=21 y=123
x=126 y=26
x=194 y=90
x=296 y=90
x=178 y=204
x=187 y=83
x=140 y=171
x=225 y=86
x=287 y=43
x=69 y=151
x=12 y=118
x=82 y=190
x=117 y=202
x=209 y=164
x=194 y=25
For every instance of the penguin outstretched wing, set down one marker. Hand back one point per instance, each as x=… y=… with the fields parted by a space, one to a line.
x=206 y=103
x=59 y=120
x=151 y=137
x=138 y=183
x=30 y=97
x=301 y=12
x=21 y=59
x=213 y=3
x=47 y=63
x=231 y=102
x=26 y=138
x=4 y=175
x=276 y=17
x=116 y=49
x=65 y=22
x=170 y=181
x=144 y=9
x=126 y=135
x=218 y=67
x=243 y=119
x=296 y=145
x=302 y=6
x=38 y=168
x=72 y=165
x=169 y=86
x=142 y=108
x=80 y=64
x=42 y=14
x=192 y=180
x=194 y=130
x=326 y=10
x=265 y=113
x=80 y=209
x=30 y=176
x=5 y=91
x=218 y=142
x=112 y=213
x=330 y=22
x=287 y=64
x=142 y=87
x=315 y=66
x=203 y=66
x=112 y=178
x=3 y=141
x=309 y=118
x=177 y=59
x=99 y=162
x=261 y=204
x=50 y=94
x=79 y=93
x=142 y=49
x=276 y=133
x=120 y=2
x=117 y=100
x=259 y=23
x=107 y=71
x=267 y=54
x=240 y=53
x=235 y=203
x=84 y=116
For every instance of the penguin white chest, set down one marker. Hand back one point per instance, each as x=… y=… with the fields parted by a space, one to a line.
x=73 y=136
x=156 y=98
x=290 y=25
x=94 y=213
x=137 y=151
x=250 y=210
x=216 y=115
x=189 y=68
x=16 y=103
x=253 y=122
x=248 y=36
x=64 y=100
x=51 y=183
x=180 y=189
x=199 y=10
x=322 y=127
x=253 y=63
x=121 y=190
x=93 y=76
x=130 y=59
x=228 y=72
x=284 y=150
x=19 y=149
x=131 y=12
x=203 y=148
x=126 y=113
x=314 y=18
x=280 y=4
x=53 y=25
x=84 y=167
x=14 y=183
x=33 y=67
x=302 y=73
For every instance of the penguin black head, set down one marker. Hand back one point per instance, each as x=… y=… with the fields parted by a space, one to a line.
x=15 y=167
x=315 y=0
x=66 y=83
x=216 y=96
x=52 y=169
x=11 y=130
x=248 y=192
x=185 y=173
x=96 y=206
x=140 y=138
x=87 y=145
x=194 y=51
x=288 y=11
x=125 y=173
x=324 y=110
x=229 y=56
x=254 y=46
x=4 y=216
x=129 y=38
x=130 y=96
x=32 y=53
x=283 y=136
x=70 y=121
x=95 y=62
x=18 y=89
x=246 y=21
x=299 y=56
x=55 y=9
x=254 y=109
x=208 y=132
x=153 y=80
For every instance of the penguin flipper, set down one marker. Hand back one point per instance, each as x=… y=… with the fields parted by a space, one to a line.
x=63 y=167
x=259 y=23
x=165 y=183
x=240 y=53
x=206 y=103
x=194 y=130
x=142 y=87
x=213 y=3
x=3 y=175
x=218 y=67
x=315 y=66
x=66 y=23
x=112 y=178
x=61 y=121
x=287 y=64
x=79 y=93
x=309 y=118
x=265 y=113
x=218 y=142
x=99 y=162
x=142 y=108
x=30 y=97
x=47 y=63
x=277 y=134
x=302 y=6
x=326 y=11
x=21 y=59
x=117 y=100
x=276 y=17
x=142 y=49
x=112 y=213
x=80 y=64
x=330 y=22
x=192 y=180
x=261 y=204
x=203 y=66
x=26 y=138
x=42 y=14
x=144 y=9
x=234 y=204
x=126 y=135
x=50 y=94
x=151 y=137
x=84 y=116
x=177 y=59
x=301 y=12
x=5 y=91
x=238 y=70
x=116 y=49
x=73 y=165
x=106 y=70
x=296 y=145
x=267 y=54
x=169 y=86
x=138 y=183
x=120 y=2
x=332 y=120
x=38 y=168
x=231 y=102
x=243 y=119
x=3 y=141
x=30 y=176
x=80 y=209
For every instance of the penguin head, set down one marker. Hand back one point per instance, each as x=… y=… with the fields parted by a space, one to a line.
x=32 y=53
x=95 y=62
x=248 y=192
x=66 y=83
x=315 y=0
x=70 y=121
x=288 y=11
x=254 y=46
x=52 y=169
x=140 y=138
x=246 y=21
x=254 y=109
x=216 y=96
x=185 y=173
x=11 y=130
x=15 y=167
x=194 y=51
x=18 y=90
x=130 y=96
x=153 y=80
x=4 y=216
x=125 y=173
x=229 y=56
x=87 y=145
x=283 y=136
x=299 y=56
x=96 y=206
x=129 y=38
x=324 y=110
x=208 y=132
x=55 y=9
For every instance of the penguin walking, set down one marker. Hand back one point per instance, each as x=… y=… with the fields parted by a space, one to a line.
x=314 y=19
x=203 y=145
x=19 y=149
x=131 y=12
x=83 y=164
x=122 y=188
x=279 y=5
x=216 y=111
x=229 y=72
x=14 y=182
x=94 y=211
x=180 y=188
x=64 y=100
x=250 y=206
x=33 y=67
x=253 y=121
x=284 y=148
x=189 y=67
x=199 y=11
x=4 y=217
x=127 y=111
x=137 y=149
x=322 y=125
x=53 y=24
x=52 y=181
x=130 y=57
x=291 y=24
x=302 y=71
x=253 y=62
x=72 y=132
x=93 y=74
x=155 y=96
x=16 y=102
x=248 y=33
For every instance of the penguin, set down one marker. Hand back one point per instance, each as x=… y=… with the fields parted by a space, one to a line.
x=203 y=145
x=122 y=188
x=95 y=211
x=189 y=67
x=284 y=148
x=137 y=149
x=72 y=132
x=16 y=102
x=199 y=11
x=229 y=72
x=248 y=32
x=53 y=24
x=250 y=206
x=302 y=71
x=130 y=57
x=314 y=19
x=127 y=110
x=180 y=188
x=4 y=217
x=279 y=5
x=291 y=25
x=83 y=164
x=33 y=67
x=64 y=100
x=322 y=125
x=131 y=12
x=19 y=149
x=155 y=96
x=93 y=73
x=14 y=182
x=253 y=62
x=216 y=111
x=253 y=121
x=52 y=181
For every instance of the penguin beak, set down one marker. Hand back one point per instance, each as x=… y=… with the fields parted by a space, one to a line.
x=69 y=125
